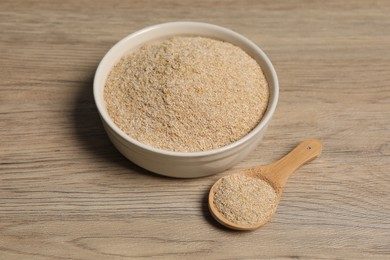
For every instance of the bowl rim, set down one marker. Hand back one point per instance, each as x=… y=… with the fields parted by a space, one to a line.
x=272 y=102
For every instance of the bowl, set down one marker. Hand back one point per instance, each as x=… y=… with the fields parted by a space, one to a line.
x=183 y=164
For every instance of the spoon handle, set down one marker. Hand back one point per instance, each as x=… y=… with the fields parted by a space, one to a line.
x=281 y=170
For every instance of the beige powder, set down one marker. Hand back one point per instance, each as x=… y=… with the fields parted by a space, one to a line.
x=186 y=94
x=245 y=200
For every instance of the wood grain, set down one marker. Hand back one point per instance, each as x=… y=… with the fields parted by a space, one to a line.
x=66 y=193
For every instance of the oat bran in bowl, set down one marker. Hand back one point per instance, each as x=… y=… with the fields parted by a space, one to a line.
x=185 y=99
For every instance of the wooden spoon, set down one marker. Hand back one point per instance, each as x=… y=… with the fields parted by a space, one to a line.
x=276 y=174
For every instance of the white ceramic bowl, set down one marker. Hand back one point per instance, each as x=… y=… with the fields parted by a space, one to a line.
x=181 y=164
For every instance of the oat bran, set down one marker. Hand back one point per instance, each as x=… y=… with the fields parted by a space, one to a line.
x=186 y=94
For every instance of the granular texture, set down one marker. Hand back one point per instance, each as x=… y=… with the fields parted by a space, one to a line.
x=245 y=200
x=186 y=94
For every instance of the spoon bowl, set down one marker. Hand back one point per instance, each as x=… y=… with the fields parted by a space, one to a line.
x=276 y=175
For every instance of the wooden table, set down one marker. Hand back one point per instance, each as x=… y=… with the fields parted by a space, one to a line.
x=67 y=193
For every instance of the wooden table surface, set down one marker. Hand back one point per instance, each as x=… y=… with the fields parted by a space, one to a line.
x=67 y=193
